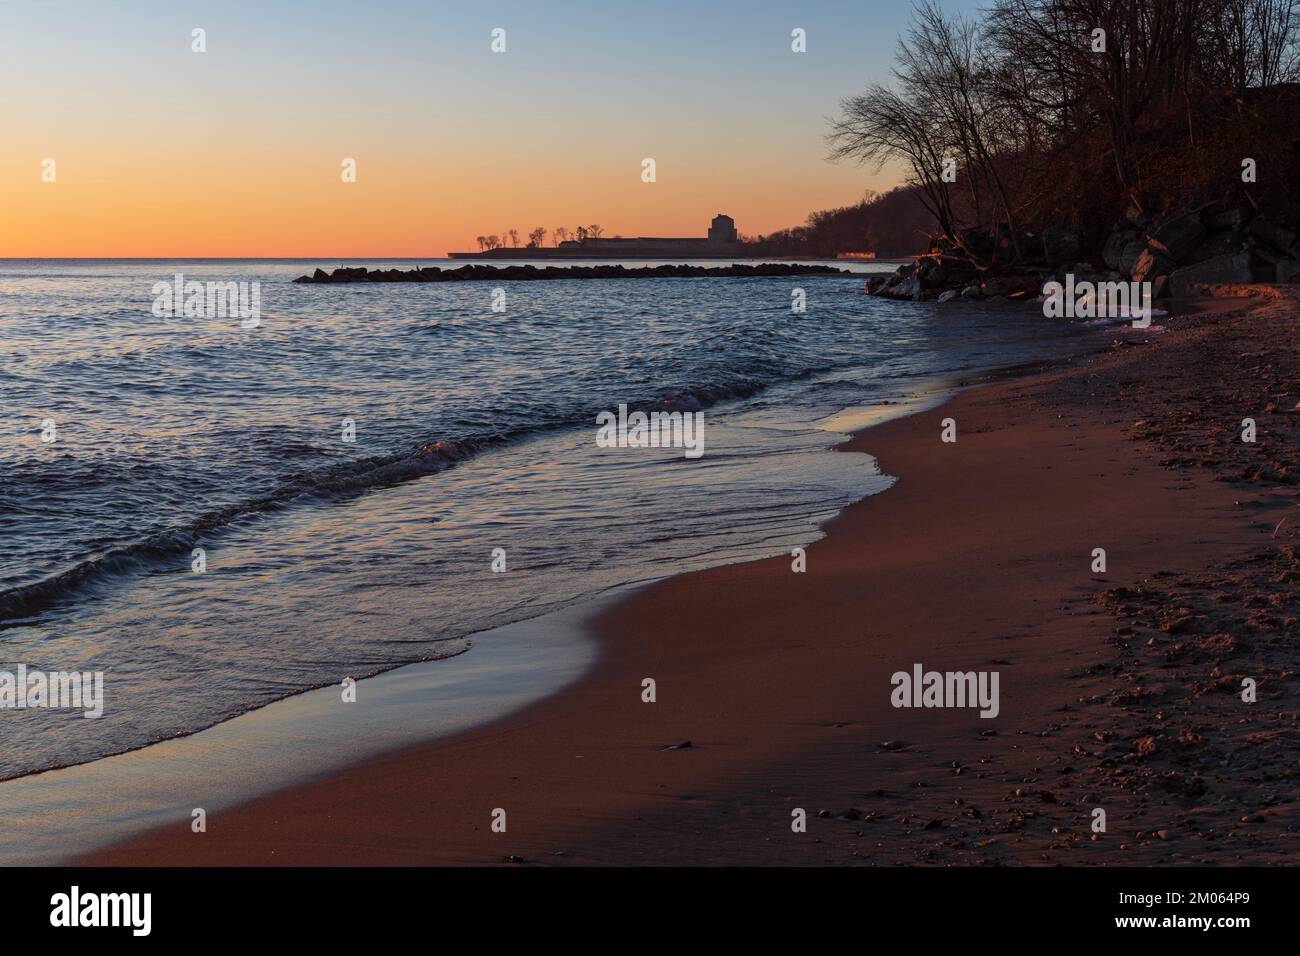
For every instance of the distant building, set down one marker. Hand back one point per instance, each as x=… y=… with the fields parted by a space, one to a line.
x=723 y=229
x=721 y=242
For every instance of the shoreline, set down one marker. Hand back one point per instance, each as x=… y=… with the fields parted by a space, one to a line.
x=513 y=666
x=295 y=739
x=780 y=680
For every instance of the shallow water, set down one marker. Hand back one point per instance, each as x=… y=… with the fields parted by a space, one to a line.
x=327 y=558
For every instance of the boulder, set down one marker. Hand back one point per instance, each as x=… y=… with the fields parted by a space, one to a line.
x=1178 y=236
x=343 y=274
x=972 y=292
x=1006 y=244
x=1114 y=247
x=1129 y=255
x=1060 y=244
x=957 y=265
x=932 y=273
x=949 y=295
x=1234 y=218
x=1153 y=262
x=1271 y=232
x=1263 y=250
x=1006 y=285
x=1221 y=242
x=909 y=288
x=1233 y=268
x=976 y=242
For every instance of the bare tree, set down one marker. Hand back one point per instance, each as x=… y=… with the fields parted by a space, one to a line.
x=989 y=115
x=595 y=231
x=942 y=117
x=537 y=237
x=561 y=234
x=581 y=233
x=514 y=237
x=1149 y=63
x=879 y=126
x=482 y=242
x=1252 y=43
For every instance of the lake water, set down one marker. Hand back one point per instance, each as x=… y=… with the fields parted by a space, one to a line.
x=470 y=430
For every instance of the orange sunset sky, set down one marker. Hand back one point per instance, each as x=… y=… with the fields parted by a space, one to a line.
x=164 y=152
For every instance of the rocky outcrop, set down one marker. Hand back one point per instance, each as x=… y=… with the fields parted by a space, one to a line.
x=526 y=273
x=1177 y=237
x=1114 y=252
x=1272 y=234
x=1209 y=246
x=944 y=279
x=1212 y=245
x=1221 y=270
x=1061 y=244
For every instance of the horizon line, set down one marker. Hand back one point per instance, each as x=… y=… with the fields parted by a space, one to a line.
x=203 y=258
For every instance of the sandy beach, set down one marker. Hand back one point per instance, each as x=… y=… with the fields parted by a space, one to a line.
x=1119 y=690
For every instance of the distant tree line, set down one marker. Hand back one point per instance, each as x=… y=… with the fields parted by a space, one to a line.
x=537 y=238
x=1044 y=112
x=894 y=224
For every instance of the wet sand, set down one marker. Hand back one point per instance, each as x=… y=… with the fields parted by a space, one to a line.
x=1118 y=690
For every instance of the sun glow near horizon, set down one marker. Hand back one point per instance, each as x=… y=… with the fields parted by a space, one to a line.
x=160 y=151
